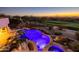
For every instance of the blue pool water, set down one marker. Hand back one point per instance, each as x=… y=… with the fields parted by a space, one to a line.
x=56 y=48
x=36 y=36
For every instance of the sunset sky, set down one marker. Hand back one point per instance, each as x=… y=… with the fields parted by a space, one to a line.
x=41 y=11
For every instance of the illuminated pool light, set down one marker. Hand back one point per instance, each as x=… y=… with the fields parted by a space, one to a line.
x=36 y=36
x=56 y=48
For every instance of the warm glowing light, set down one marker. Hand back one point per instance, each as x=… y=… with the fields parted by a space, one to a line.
x=58 y=14
x=4 y=31
x=4 y=35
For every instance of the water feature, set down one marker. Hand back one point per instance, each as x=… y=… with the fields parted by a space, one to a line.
x=36 y=36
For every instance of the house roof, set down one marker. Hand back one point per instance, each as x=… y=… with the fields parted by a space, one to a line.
x=4 y=22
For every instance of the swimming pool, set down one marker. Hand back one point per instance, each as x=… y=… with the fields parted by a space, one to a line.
x=36 y=36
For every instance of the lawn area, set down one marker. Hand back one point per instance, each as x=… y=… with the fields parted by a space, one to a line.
x=63 y=23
